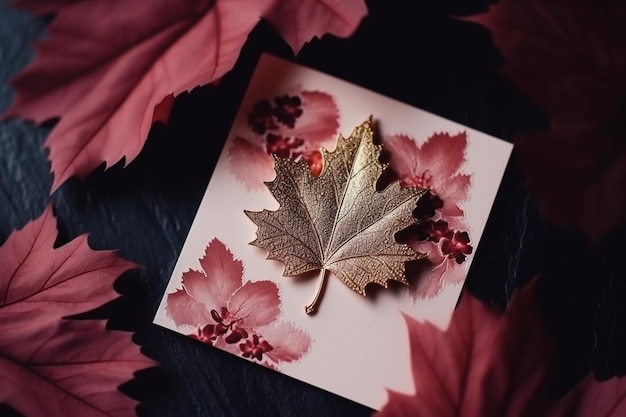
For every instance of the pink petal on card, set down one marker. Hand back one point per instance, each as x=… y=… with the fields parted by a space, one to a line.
x=429 y=282
x=453 y=191
x=186 y=310
x=224 y=272
x=250 y=163
x=319 y=122
x=430 y=165
x=443 y=154
x=257 y=303
x=403 y=156
x=289 y=343
x=200 y=288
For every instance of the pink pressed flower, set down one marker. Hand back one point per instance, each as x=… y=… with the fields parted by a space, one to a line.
x=433 y=165
x=289 y=343
x=255 y=348
x=288 y=147
x=294 y=125
x=208 y=289
x=457 y=247
x=288 y=109
x=250 y=163
x=437 y=270
x=261 y=118
x=228 y=313
x=433 y=231
x=446 y=251
x=206 y=334
x=441 y=230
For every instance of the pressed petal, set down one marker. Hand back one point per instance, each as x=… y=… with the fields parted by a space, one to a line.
x=319 y=122
x=223 y=272
x=289 y=343
x=256 y=303
x=453 y=191
x=199 y=288
x=204 y=292
x=186 y=310
x=429 y=165
x=428 y=280
x=250 y=163
x=403 y=156
x=443 y=154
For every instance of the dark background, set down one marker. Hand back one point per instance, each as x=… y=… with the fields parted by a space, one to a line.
x=418 y=55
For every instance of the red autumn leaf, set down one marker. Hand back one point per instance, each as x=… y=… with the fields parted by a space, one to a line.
x=48 y=363
x=593 y=398
x=569 y=57
x=298 y=21
x=104 y=76
x=491 y=364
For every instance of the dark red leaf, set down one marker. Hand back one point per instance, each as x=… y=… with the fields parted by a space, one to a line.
x=569 y=57
x=104 y=76
x=50 y=365
x=490 y=365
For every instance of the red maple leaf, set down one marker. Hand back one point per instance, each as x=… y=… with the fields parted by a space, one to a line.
x=49 y=363
x=491 y=364
x=108 y=63
x=569 y=57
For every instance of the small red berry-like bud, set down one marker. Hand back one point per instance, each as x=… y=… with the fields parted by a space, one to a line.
x=261 y=119
x=288 y=109
x=457 y=247
x=314 y=159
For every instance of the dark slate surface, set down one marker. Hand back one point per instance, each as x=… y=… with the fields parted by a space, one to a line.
x=419 y=56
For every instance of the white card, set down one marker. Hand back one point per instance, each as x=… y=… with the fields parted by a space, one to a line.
x=224 y=292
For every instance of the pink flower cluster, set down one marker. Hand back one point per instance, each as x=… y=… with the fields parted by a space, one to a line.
x=241 y=318
x=441 y=232
x=293 y=125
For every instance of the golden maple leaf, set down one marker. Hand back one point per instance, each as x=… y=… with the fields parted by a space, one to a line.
x=338 y=221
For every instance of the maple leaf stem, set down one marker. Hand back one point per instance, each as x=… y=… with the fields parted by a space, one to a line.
x=321 y=285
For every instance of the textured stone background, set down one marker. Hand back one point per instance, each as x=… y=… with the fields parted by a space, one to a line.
x=419 y=56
